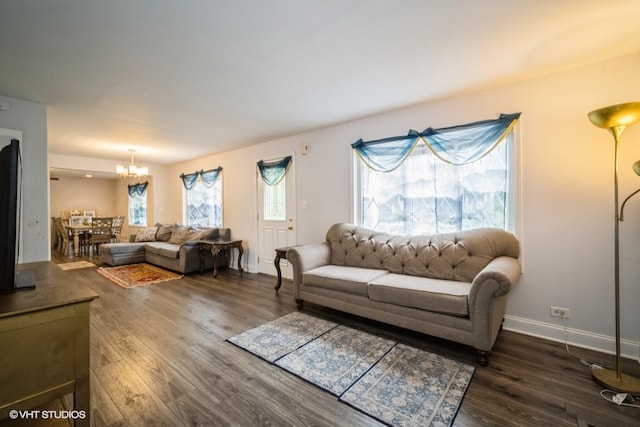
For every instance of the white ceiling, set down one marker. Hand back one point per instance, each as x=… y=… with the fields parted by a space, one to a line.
x=177 y=79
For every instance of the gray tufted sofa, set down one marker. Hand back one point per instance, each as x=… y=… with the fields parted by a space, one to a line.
x=452 y=286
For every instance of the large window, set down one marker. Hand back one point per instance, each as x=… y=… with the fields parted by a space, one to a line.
x=203 y=206
x=426 y=195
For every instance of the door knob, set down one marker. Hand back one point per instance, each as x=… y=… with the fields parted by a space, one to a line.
x=290 y=227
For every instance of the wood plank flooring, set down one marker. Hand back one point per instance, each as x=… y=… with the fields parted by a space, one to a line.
x=159 y=358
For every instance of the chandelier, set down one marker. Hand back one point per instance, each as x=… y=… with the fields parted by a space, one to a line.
x=131 y=171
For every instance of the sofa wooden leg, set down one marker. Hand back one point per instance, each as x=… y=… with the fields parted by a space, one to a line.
x=300 y=303
x=482 y=357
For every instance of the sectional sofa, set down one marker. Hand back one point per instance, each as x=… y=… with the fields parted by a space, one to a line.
x=452 y=286
x=171 y=246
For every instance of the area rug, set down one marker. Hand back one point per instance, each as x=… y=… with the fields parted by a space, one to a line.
x=392 y=382
x=411 y=387
x=335 y=360
x=75 y=265
x=132 y=275
x=273 y=340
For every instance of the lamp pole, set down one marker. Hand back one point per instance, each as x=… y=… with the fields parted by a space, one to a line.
x=616 y=119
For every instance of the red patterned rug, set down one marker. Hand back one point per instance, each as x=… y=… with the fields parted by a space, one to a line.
x=132 y=275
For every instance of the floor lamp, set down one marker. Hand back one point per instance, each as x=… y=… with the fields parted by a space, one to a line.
x=616 y=119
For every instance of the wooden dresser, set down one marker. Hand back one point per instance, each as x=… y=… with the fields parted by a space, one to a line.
x=44 y=344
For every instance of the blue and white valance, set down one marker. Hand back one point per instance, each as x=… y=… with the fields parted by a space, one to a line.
x=273 y=172
x=457 y=145
x=138 y=189
x=207 y=177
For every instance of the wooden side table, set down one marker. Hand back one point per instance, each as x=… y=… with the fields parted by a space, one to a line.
x=215 y=246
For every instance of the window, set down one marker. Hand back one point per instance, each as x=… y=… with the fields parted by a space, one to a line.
x=138 y=209
x=203 y=206
x=426 y=195
x=274 y=196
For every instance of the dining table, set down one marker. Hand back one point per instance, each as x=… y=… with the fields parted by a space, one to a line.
x=76 y=230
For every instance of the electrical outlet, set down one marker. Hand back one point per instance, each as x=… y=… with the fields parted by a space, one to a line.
x=560 y=312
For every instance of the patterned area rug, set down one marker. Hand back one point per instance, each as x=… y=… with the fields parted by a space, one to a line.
x=132 y=275
x=273 y=340
x=394 y=383
x=75 y=265
x=411 y=387
x=335 y=360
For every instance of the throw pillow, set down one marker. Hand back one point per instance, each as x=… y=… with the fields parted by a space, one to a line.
x=164 y=232
x=147 y=234
x=180 y=234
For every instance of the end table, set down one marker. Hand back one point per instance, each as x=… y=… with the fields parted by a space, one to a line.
x=215 y=246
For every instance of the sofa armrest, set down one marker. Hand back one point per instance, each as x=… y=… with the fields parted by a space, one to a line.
x=487 y=299
x=495 y=280
x=307 y=257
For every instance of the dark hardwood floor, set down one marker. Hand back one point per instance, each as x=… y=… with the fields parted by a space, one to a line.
x=159 y=358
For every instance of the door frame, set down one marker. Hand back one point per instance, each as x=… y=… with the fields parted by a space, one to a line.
x=287 y=272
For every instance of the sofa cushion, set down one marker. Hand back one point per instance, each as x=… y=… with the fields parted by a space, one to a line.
x=146 y=234
x=122 y=248
x=180 y=234
x=444 y=296
x=205 y=234
x=164 y=232
x=163 y=248
x=351 y=280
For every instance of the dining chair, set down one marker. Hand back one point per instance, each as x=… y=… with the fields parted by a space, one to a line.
x=100 y=232
x=116 y=228
x=63 y=236
x=55 y=240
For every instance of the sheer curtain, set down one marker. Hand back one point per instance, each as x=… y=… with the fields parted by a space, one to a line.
x=273 y=172
x=457 y=145
x=459 y=178
x=203 y=198
x=208 y=177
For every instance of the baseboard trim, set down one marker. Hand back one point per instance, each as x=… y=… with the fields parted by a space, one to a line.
x=575 y=337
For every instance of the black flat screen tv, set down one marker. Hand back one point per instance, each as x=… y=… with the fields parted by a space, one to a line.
x=10 y=203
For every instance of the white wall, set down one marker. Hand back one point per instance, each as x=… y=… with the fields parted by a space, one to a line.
x=567 y=171
x=31 y=119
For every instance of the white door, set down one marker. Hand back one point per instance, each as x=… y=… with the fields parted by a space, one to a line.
x=276 y=221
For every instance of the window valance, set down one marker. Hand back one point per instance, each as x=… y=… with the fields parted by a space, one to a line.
x=273 y=172
x=207 y=177
x=138 y=189
x=457 y=145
